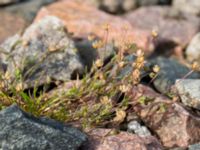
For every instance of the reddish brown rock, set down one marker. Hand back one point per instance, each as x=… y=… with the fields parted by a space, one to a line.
x=102 y=139
x=83 y=20
x=173 y=124
x=172 y=28
x=10 y=25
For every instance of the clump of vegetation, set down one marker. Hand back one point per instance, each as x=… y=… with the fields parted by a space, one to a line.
x=100 y=98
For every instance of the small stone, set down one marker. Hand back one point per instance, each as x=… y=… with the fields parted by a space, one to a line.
x=187 y=6
x=193 y=49
x=188 y=90
x=194 y=147
x=20 y=130
x=137 y=128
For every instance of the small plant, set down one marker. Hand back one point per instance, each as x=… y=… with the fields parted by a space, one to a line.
x=99 y=99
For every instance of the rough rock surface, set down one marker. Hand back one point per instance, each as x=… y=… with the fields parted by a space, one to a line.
x=170 y=71
x=187 y=6
x=172 y=30
x=83 y=20
x=188 y=89
x=43 y=52
x=21 y=131
x=6 y=25
x=27 y=9
x=102 y=139
x=194 y=147
x=173 y=124
x=193 y=49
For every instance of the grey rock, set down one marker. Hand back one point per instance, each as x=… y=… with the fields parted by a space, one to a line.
x=187 y=6
x=21 y=131
x=6 y=2
x=193 y=49
x=194 y=147
x=44 y=52
x=170 y=71
x=137 y=128
x=188 y=89
x=28 y=9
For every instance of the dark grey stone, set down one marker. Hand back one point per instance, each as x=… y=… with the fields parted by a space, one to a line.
x=21 y=131
x=90 y=54
x=170 y=71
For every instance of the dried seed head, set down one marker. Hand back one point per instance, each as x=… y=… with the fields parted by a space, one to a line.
x=136 y=76
x=140 y=59
x=156 y=69
x=19 y=87
x=106 y=26
x=154 y=33
x=195 y=66
x=105 y=100
x=124 y=88
x=121 y=64
x=91 y=37
x=139 y=53
x=120 y=116
x=97 y=44
x=99 y=63
x=7 y=76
